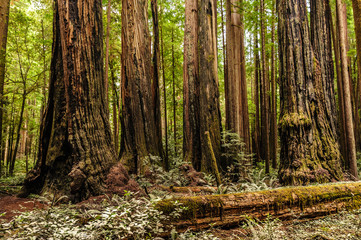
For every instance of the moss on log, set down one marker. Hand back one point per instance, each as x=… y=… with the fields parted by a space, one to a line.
x=284 y=203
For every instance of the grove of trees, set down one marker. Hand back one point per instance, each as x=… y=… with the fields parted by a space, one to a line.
x=87 y=84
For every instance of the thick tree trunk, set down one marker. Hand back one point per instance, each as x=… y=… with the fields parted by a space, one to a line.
x=229 y=210
x=75 y=150
x=201 y=96
x=265 y=136
x=356 y=4
x=236 y=100
x=210 y=115
x=139 y=127
x=350 y=139
x=4 y=20
x=309 y=151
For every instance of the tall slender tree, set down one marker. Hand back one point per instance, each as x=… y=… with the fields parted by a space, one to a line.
x=155 y=83
x=309 y=151
x=139 y=128
x=75 y=150
x=356 y=4
x=273 y=126
x=349 y=127
x=265 y=136
x=4 y=21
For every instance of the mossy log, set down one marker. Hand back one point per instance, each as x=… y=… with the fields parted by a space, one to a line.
x=284 y=203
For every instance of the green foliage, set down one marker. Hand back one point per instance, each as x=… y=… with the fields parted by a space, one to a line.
x=117 y=218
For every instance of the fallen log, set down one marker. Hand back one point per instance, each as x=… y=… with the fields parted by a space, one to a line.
x=284 y=203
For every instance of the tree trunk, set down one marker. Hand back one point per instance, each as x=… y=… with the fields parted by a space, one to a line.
x=273 y=128
x=18 y=130
x=166 y=159
x=201 y=96
x=106 y=78
x=322 y=46
x=4 y=21
x=227 y=210
x=210 y=115
x=75 y=150
x=350 y=140
x=174 y=101
x=356 y=4
x=265 y=136
x=155 y=83
x=237 y=103
x=256 y=148
x=115 y=107
x=139 y=127
x=341 y=121
x=191 y=121
x=243 y=99
x=309 y=150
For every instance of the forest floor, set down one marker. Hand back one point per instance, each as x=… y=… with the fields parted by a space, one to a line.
x=132 y=218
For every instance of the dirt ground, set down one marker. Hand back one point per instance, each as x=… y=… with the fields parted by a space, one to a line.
x=12 y=206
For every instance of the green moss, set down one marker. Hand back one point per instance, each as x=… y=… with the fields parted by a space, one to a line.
x=292 y=120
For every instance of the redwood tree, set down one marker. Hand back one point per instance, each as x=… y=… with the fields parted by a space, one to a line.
x=237 y=119
x=322 y=46
x=201 y=96
x=356 y=4
x=309 y=150
x=75 y=150
x=4 y=20
x=140 y=136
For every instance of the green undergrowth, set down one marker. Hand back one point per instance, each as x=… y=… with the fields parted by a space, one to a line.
x=114 y=218
x=342 y=226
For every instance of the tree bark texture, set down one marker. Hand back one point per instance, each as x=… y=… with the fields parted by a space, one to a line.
x=201 y=96
x=350 y=137
x=236 y=98
x=4 y=21
x=75 y=150
x=229 y=210
x=309 y=152
x=140 y=136
x=322 y=46
x=356 y=4
x=210 y=115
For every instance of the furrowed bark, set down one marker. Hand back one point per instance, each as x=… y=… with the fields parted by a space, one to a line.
x=201 y=96
x=229 y=210
x=309 y=150
x=140 y=138
x=75 y=150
